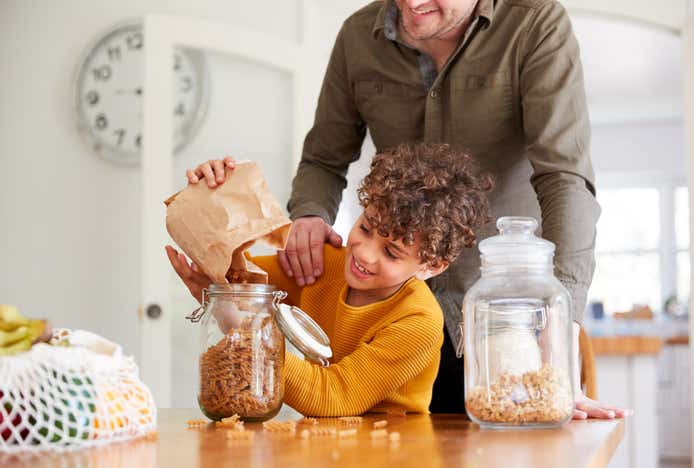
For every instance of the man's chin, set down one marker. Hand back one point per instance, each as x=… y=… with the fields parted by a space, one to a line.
x=420 y=33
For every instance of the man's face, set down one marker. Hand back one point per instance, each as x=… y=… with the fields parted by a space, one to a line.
x=433 y=19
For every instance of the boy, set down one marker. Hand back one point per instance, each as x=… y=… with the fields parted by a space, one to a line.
x=421 y=205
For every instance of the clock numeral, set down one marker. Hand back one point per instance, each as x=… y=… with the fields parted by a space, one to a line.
x=138 y=141
x=102 y=73
x=180 y=109
x=120 y=133
x=92 y=98
x=101 y=122
x=177 y=62
x=187 y=84
x=134 y=41
x=114 y=53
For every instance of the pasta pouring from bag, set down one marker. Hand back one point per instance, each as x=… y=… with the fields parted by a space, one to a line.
x=215 y=226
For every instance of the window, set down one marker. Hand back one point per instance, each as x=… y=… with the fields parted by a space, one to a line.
x=682 y=242
x=641 y=247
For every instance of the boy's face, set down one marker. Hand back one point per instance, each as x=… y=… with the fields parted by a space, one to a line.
x=380 y=264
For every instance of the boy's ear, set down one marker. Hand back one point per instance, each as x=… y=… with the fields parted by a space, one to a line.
x=427 y=272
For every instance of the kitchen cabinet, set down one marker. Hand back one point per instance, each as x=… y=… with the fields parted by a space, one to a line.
x=673 y=402
x=626 y=377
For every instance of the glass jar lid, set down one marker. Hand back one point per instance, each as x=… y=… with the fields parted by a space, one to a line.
x=303 y=332
x=516 y=243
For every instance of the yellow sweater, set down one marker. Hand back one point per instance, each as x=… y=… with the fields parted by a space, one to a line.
x=385 y=354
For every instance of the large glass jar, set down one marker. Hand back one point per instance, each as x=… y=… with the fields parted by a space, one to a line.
x=517 y=332
x=242 y=349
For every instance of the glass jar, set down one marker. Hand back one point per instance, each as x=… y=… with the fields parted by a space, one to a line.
x=517 y=333
x=242 y=347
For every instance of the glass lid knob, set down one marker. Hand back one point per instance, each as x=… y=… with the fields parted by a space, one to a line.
x=516 y=225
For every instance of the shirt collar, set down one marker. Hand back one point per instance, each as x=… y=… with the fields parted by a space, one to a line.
x=385 y=21
x=387 y=18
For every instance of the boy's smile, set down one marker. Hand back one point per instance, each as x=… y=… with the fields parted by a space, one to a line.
x=358 y=270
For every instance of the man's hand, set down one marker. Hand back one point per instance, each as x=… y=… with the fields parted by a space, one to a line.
x=302 y=258
x=588 y=408
x=193 y=279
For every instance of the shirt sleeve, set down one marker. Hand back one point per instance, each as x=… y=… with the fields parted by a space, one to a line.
x=557 y=131
x=330 y=146
x=397 y=354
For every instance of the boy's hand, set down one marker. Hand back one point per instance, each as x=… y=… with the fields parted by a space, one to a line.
x=213 y=171
x=302 y=259
x=193 y=279
x=588 y=408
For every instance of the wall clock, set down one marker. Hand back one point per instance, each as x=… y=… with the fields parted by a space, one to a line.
x=108 y=93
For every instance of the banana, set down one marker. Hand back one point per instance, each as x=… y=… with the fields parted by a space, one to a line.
x=8 y=338
x=10 y=318
x=18 y=333
x=36 y=329
x=18 y=347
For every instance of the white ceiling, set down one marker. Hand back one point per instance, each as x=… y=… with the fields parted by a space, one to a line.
x=633 y=71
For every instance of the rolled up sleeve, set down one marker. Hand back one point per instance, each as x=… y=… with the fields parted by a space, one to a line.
x=557 y=131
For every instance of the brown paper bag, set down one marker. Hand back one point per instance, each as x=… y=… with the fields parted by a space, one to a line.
x=215 y=226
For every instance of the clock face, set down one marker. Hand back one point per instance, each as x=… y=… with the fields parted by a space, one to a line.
x=109 y=94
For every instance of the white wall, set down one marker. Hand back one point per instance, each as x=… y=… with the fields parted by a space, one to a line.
x=69 y=236
x=654 y=148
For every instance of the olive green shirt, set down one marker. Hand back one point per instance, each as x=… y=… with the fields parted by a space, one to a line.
x=512 y=94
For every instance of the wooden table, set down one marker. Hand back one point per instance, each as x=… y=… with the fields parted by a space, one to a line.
x=436 y=441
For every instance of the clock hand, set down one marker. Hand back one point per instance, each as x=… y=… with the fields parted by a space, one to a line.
x=137 y=91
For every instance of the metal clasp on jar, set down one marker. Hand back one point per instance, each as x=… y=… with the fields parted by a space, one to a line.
x=196 y=315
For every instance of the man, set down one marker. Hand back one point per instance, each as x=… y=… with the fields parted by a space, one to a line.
x=500 y=78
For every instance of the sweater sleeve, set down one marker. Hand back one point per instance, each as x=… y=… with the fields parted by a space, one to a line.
x=397 y=354
x=276 y=276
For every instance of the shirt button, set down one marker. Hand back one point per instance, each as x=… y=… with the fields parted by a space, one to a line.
x=433 y=93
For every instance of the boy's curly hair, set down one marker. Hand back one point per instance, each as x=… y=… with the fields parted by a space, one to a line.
x=427 y=191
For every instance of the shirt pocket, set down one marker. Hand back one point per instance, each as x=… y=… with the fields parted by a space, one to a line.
x=384 y=105
x=483 y=107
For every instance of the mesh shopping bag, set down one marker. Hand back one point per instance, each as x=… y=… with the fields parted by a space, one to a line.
x=70 y=395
